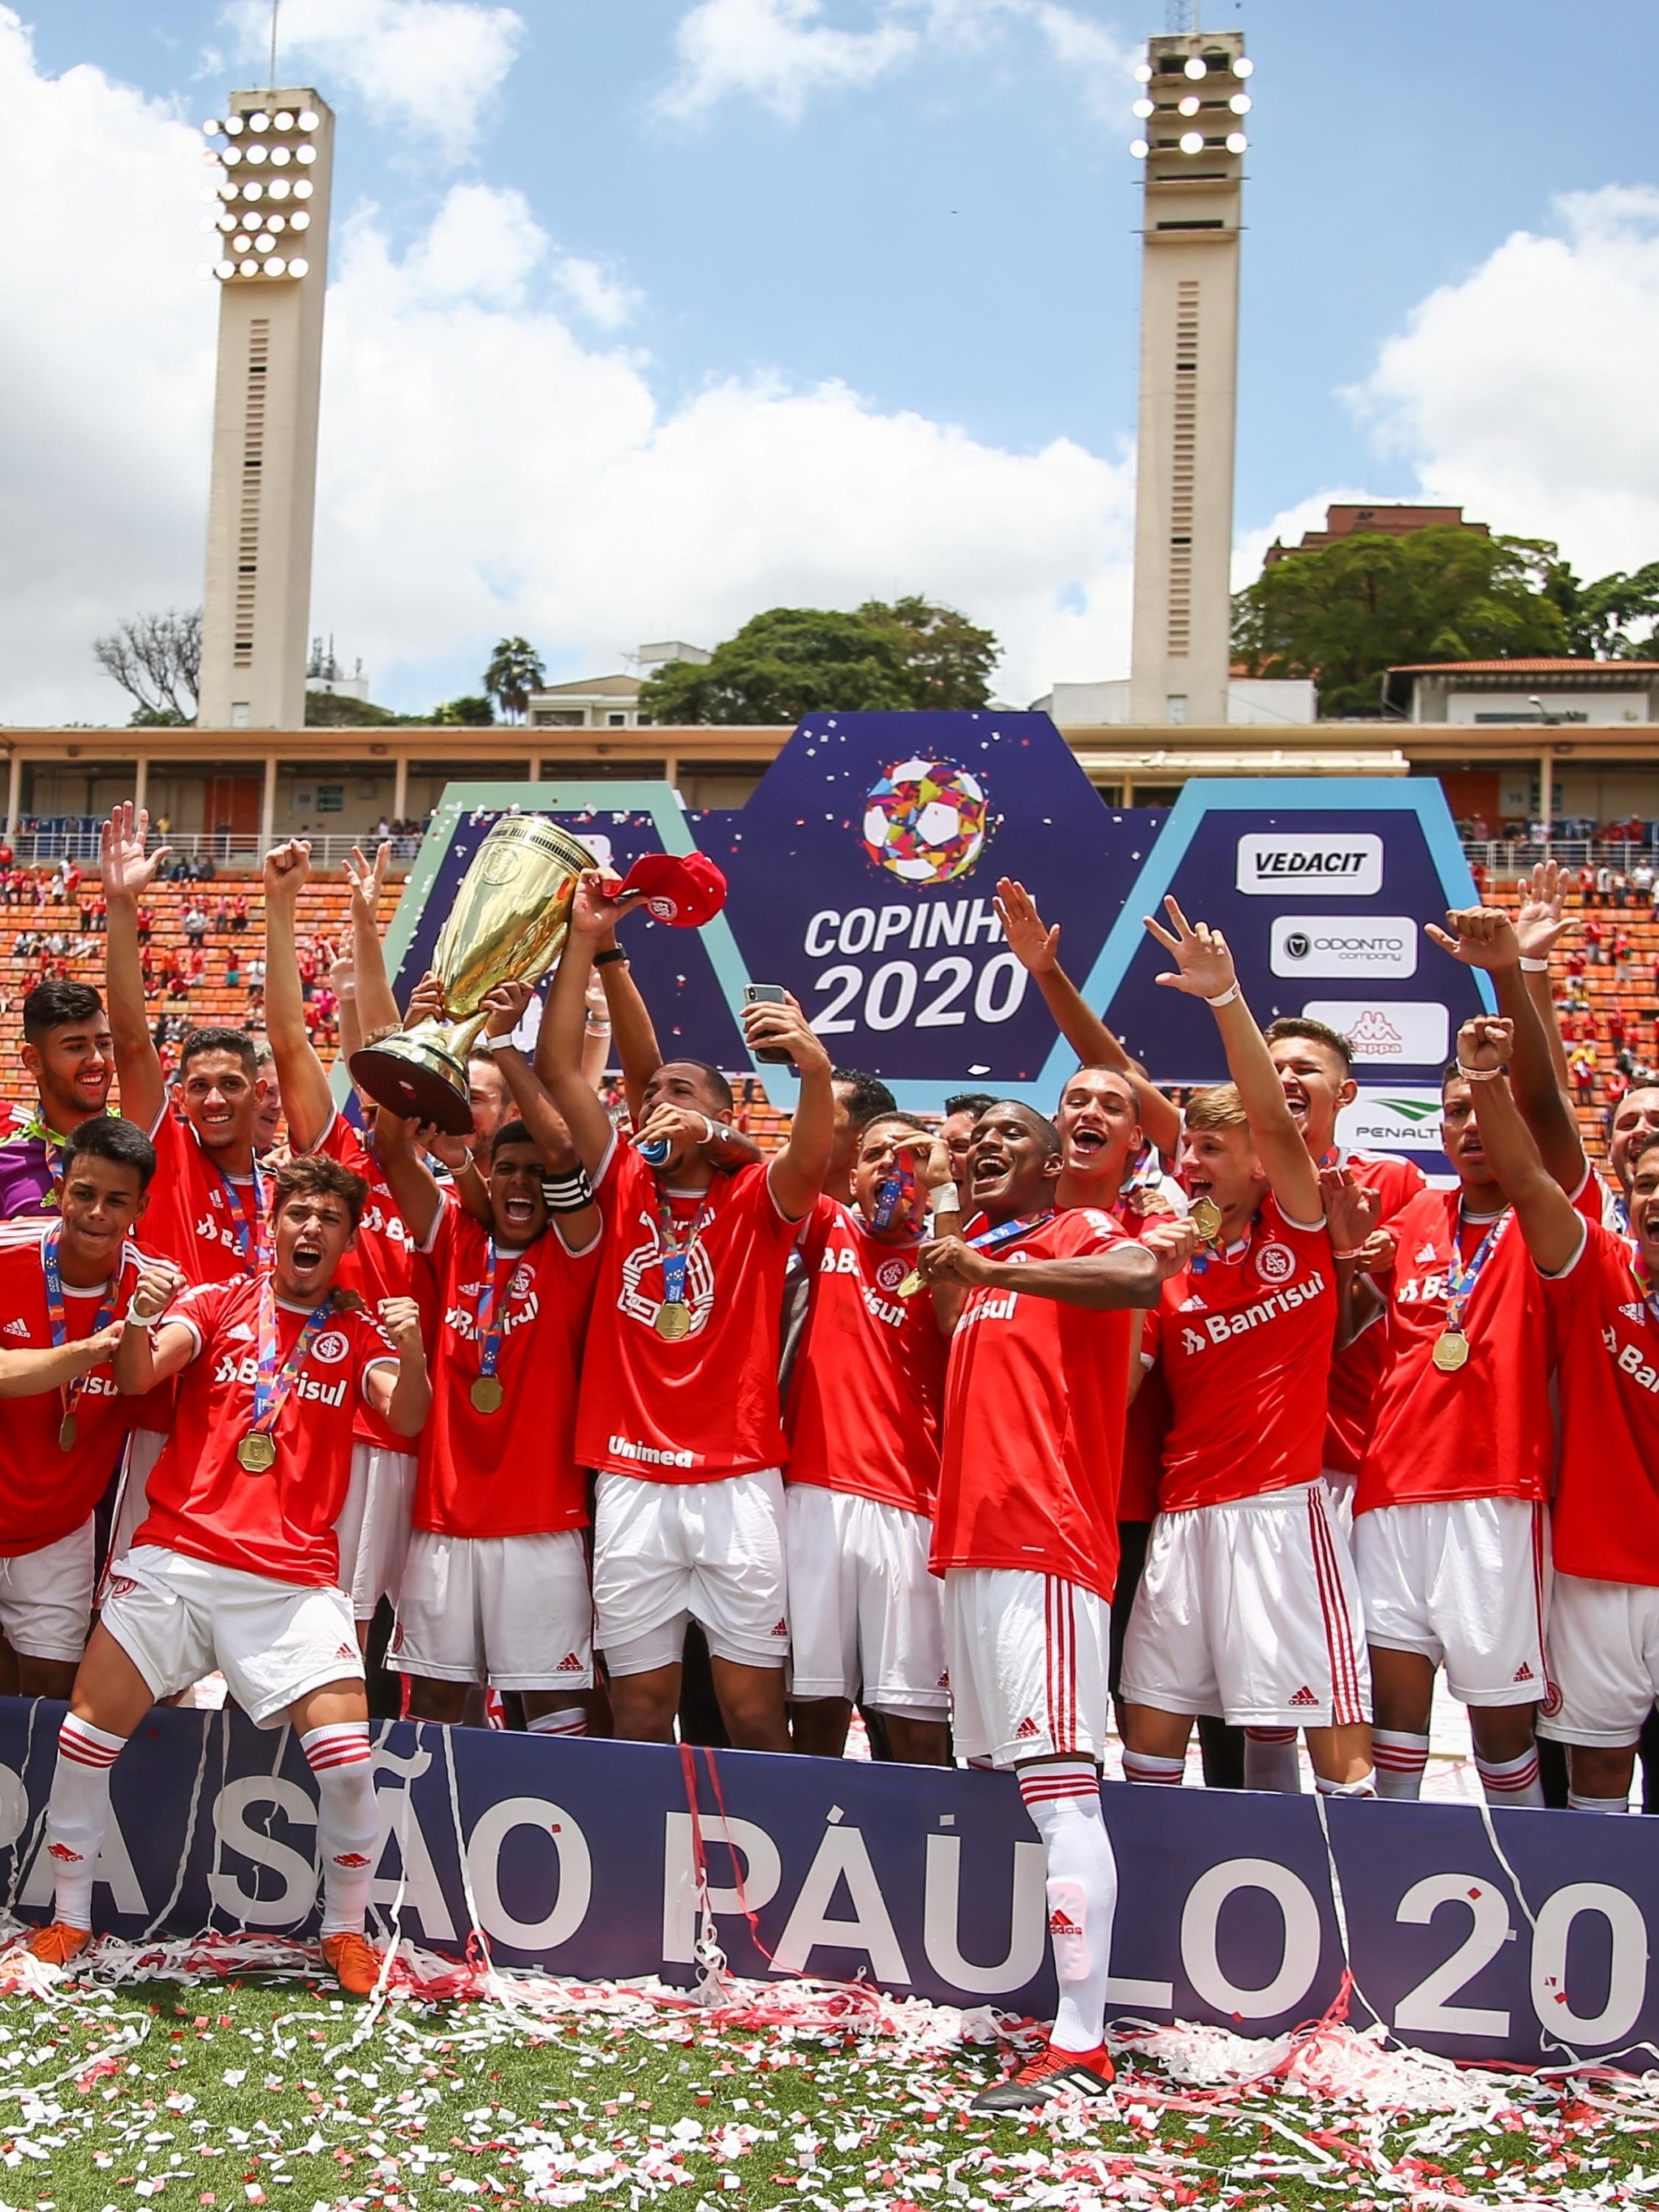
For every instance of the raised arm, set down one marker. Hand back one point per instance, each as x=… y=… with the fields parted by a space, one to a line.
x=1484 y=937
x=377 y=1010
x=307 y=1101
x=410 y=1180
x=401 y=1395
x=129 y=870
x=558 y=1063
x=1037 y=948
x=152 y=1348
x=1204 y=970
x=1542 y=921
x=796 y=1172
x=1549 y=1222
x=578 y=1224
x=633 y=1032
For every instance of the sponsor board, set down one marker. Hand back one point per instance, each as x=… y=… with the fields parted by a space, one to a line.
x=1400 y=1032
x=1272 y=863
x=1343 y=944
x=1401 y=1120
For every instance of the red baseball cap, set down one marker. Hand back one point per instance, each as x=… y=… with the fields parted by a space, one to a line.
x=684 y=888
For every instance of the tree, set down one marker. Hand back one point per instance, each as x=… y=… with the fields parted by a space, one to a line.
x=514 y=671
x=471 y=712
x=793 y=661
x=157 y=660
x=1346 y=611
x=1601 y=617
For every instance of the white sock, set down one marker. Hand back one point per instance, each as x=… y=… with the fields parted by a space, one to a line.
x=1401 y=1756
x=1512 y=1781
x=1575 y=1803
x=569 y=1720
x=1063 y=1799
x=77 y=1816
x=348 y=1821
x=1143 y=1766
x=1364 y=1787
x=1271 y=1761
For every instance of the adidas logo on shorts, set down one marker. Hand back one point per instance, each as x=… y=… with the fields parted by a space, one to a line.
x=1028 y=1727
x=1524 y=1672
x=945 y=1679
x=347 y=1651
x=1060 y=1923
x=570 y=1664
x=1304 y=1696
x=782 y=1629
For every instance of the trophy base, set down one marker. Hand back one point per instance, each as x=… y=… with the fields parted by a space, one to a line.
x=410 y=1075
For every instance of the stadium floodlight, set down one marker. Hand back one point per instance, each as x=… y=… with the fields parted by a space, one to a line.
x=226 y=223
x=257 y=122
x=283 y=119
x=1189 y=106
x=1240 y=103
x=303 y=189
x=308 y=118
x=1237 y=143
x=280 y=157
x=300 y=220
x=213 y=126
x=257 y=153
x=222 y=269
x=298 y=268
x=265 y=243
x=1243 y=66
x=275 y=266
x=253 y=190
x=305 y=153
x=233 y=125
x=247 y=268
x=1142 y=73
x=1143 y=108
x=1139 y=148
x=1195 y=67
x=231 y=156
x=1191 y=142
x=241 y=242
x=280 y=188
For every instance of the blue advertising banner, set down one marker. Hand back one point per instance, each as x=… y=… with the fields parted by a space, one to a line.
x=1517 y=1935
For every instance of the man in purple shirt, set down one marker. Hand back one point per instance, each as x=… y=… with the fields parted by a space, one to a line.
x=71 y=1061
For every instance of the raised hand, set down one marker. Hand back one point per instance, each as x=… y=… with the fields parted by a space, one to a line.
x=933 y=1162
x=1485 y=1041
x=453 y=1153
x=368 y=879
x=1479 y=936
x=948 y=1259
x=771 y=1025
x=287 y=870
x=1543 y=919
x=1204 y=966
x=1036 y=946
x=595 y=910
x=1351 y=1212
x=1172 y=1242
x=505 y=1006
x=401 y=1320
x=126 y=868
x=157 y=1287
x=426 y=1002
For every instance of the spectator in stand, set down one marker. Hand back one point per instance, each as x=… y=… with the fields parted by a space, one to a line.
x=222 y=917
x=195 y=924
x=1581 y=1066
x=1593 y=938
x=7 y=856
x=1615 y=1027
x=232 y=969
x=1623 y=946
x=1620 y=890
x=100 y=913
x=1587 y=885
x=1477 y=876
x=1603 y=884
x=256 y=981
x=146 y=923
x=238 y=915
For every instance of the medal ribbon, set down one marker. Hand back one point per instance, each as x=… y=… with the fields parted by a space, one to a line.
x=988 y=1240
x=274 y=1385
x=1461 y=1281
x=70 y=1392
x=675 y=1251
x=1645 y=1284
x=488 y=1317
x=252 y=1236
x=896 y=1191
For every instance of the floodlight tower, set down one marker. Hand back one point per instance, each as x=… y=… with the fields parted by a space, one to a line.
x=270 y=194
x=1192 y=112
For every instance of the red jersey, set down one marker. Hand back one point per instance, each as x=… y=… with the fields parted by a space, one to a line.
x=512 y=1473
x=1034 y=1405
x=867 y=1391
x=199 y=1217
x=202 y=1500
x=382 y=1265
x=703 y=1405
x=47 y=1493
x=1245 y=1339
x=1357 y=1371
x=1485 y=1429
x=1148 y=1426
x=1606 y=1520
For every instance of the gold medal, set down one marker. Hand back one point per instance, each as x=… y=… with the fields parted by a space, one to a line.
x=672 y=1322
x=911 y=1283
x=66 y=1433
x=257 y=1452
x=487 y=1394
x=1205 y=1217
x=1451 y=1350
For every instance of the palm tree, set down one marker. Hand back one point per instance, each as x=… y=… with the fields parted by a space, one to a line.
x=514 y=671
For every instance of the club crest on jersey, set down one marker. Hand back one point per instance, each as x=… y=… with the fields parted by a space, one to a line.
x=891 y=1272
x=522 y=1282
x=642 y=1282
x=332 y=1348
x=1275 y=1263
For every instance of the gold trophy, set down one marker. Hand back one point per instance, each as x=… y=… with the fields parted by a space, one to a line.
x=509 y=920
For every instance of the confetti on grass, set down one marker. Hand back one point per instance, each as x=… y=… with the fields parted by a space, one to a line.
x=224 y=2074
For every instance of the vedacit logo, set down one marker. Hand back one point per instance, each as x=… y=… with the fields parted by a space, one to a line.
x=1352 y=867
x=1343 y=944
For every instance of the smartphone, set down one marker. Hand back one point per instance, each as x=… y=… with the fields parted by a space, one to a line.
x=767 y=995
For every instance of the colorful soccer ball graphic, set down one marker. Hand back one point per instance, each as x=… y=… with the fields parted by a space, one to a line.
x=926 y=821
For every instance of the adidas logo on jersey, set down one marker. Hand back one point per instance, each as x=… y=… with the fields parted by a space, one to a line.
x=1238 y=1322
x=1304 y=1696
x=1524 y=1672
x=570 y=1664
x=1028 y=1727
x=1634 y=1313
x=1425 y=1258
x=16 y=1328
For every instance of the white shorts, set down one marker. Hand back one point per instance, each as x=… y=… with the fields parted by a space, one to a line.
x=511 y=1611
x=373 y=1529
x=1604 y=1660
x=1250 y=1609
x=864 y=1612
x=1466 y=1584
x=666 y=1554
x=132 y=1499
x=1028 y=1656
x=45 y=1597
x=177 y=1618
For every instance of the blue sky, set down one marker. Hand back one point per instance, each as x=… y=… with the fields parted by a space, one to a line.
x=938 y=215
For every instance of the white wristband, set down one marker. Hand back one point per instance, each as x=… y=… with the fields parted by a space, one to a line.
x=1534 y=966
x=708 y=1131
x=149 y=1323
x=488 y=1043
x=946 y=1197
x=1227 y=997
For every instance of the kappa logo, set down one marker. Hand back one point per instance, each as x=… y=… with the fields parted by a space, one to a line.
x=570 y=1664
x=1191 y=1341
x=1304 y=1696
x=891 y=1272
x=1275 y=1263
x=332 y=1348
x=16 y=1328
x=1027 y=1728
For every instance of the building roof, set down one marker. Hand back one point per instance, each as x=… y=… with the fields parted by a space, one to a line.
x=1576 y=668
x=592 y=687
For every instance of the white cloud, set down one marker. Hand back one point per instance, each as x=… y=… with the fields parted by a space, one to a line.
x=1524 y=393
x=433 y=65
x=596 y=291
x=1250 y=546
x=781 y=53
